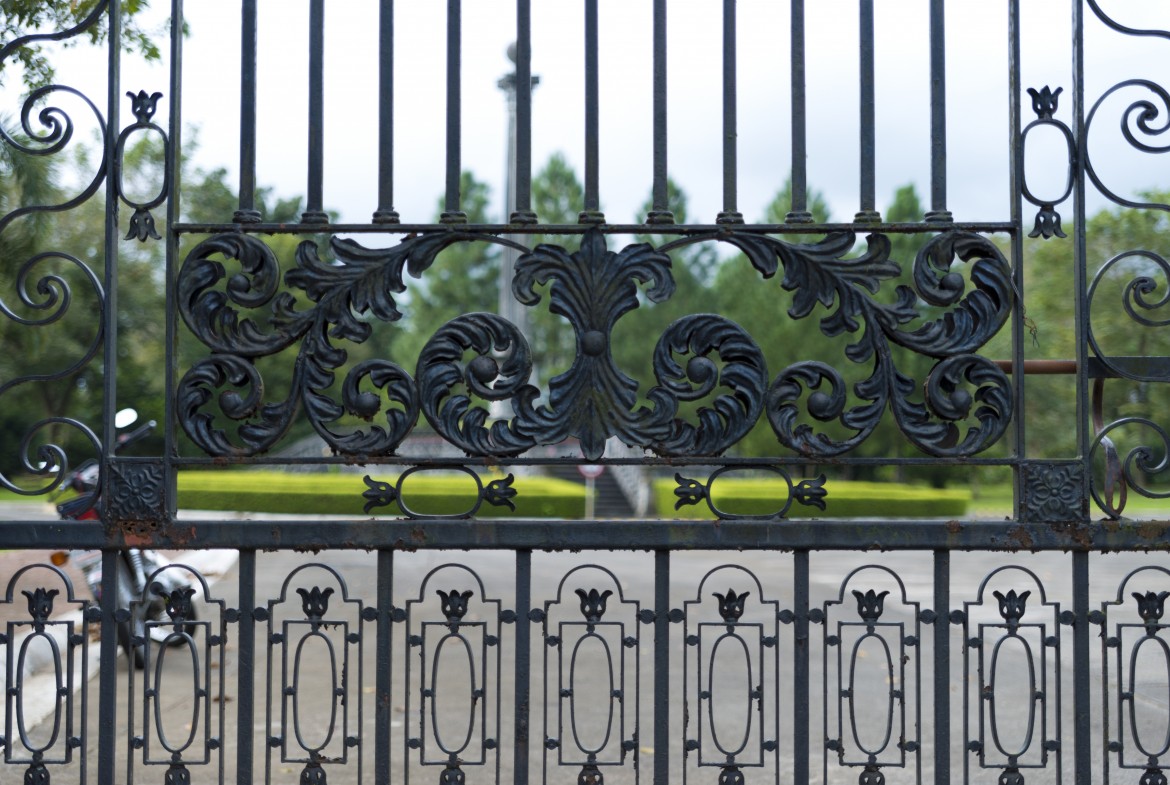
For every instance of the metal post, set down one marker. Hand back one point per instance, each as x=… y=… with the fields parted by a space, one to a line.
x=800 y=667
x=523 y=660
x=247 y=212
x=452 y=199
x=385 y=214
x=942 y=667
x=662 y=667
x=660 y=211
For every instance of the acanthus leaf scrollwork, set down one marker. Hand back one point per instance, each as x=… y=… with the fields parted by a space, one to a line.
x=593 y=400
x=362 y=281
x=819 y=273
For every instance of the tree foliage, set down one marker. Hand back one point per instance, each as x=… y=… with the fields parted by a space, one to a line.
x=25 y=17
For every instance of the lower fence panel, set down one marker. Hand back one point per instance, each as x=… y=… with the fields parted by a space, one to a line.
x=596 y=667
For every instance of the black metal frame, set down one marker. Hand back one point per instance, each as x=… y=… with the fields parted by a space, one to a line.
x=969 y=404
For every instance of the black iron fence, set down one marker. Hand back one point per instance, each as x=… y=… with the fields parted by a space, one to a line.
x=742 y=647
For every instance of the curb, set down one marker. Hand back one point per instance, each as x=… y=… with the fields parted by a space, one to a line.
x=40 y=693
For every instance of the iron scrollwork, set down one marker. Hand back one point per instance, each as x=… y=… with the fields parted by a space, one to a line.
x=1139 y=651
x=1012 y=648
x=1044 y=104
x=883 y=714
x=698 y=357
x=142 y=222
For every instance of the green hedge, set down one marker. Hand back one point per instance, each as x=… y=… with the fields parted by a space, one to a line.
x=341 y=494
x=844 y=500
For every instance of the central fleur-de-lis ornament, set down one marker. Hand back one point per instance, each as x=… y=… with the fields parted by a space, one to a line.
x=1012 y=605
x=593 y=604
x=454 y=604
x=1151 y=606
x=177 y=774
x=731 y=605
x=40 y=605
x=315 y=602
x=1045 y=101
x=452 y=775
x=178 y=601
x=871 y=775
x=1152 y=776
x=313 y=774
x=590 y=775
x=1011 y=777
x=731 y=775
x=870 y=605
x=36 y=774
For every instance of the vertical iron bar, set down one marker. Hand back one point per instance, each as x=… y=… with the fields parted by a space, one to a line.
x=1082 y=671
x=938 y=115
x=660 y=211
x=175 y=140
x=385 y=214
x=592 y=213
x=384 y=663
x=108 y=657
x=245 y=684
x=314 y=214
x=800 y=667
x=247 y=212
x=451 y=201
x=523 y=659
x=108 y=681
x=868 y=212
x=729 y=215
x=1080 y=257
x=942 y=667
x=661 y=667
x=799 y=213
x=110 y=240
x=1015 y=125
x=523 y=214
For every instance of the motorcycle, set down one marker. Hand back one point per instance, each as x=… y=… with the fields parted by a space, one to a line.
x=134 y=566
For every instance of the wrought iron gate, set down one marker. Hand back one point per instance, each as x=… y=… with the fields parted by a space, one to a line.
x=741 y=647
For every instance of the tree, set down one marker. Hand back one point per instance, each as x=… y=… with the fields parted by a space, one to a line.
x=25 y=17
x=463 y=279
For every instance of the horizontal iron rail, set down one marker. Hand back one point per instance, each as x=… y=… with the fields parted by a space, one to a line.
x=985 y=227
x=553 y=535
x=1095 y=368
x=406 y=459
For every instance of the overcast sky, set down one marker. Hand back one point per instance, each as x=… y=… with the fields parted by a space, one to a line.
x=976 y=85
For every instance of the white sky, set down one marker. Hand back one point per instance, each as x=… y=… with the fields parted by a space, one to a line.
x=976 y=86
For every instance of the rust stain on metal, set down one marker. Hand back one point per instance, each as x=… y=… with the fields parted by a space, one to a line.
x=1021 y=538
x=954 y=527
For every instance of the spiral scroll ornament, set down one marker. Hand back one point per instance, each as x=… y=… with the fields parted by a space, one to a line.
x=479 y=365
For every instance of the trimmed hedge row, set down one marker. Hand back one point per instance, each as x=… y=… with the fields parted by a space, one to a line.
x=429 y=493
x=844 y=500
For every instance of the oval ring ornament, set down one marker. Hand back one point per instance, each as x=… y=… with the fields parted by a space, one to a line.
x=1133 y=672
x=196 y=692
x=315 y=635
x=471 y=696
x=885 y=647
x=58 y=682
x=995 y=705
x=711 y=701
x=600 y=641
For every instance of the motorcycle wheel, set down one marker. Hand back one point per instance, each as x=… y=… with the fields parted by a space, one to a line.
x=134 y=627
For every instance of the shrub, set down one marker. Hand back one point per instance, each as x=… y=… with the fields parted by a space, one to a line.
x=341 y=494
x=844 y=500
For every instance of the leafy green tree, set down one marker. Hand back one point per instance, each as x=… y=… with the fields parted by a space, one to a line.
x=463 y=279
x=24 y=17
